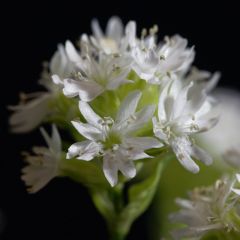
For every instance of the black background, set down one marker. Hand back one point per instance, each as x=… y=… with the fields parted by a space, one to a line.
x=31 y=33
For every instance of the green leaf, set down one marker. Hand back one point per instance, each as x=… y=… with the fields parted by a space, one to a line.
x=141 y=194
x=104 y=204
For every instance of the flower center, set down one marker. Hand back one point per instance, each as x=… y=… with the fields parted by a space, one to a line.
x=109 y=45
x=112 y=141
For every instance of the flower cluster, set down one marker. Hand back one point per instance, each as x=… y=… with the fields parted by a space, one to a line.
x=134 y=95
x=209 y=209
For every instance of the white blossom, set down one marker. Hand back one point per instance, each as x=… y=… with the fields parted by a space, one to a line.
x=116 y=39
x=114 y=140
x=94 y=76
x=155 y=63
x=43 y=166
x=182 y=112
x=34 y=107
x=110 y=41
x=28 y=115
x=145 y=63
x=176 y=57
x=207 y=209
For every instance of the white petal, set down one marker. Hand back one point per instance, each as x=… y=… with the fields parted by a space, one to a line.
x=201 y=155
x=197 y=103
x=181 y=101
x=89 y=114
x=188 y=163
x=87 y=90
x=96 y=29
x=30 y=115
x=110 y=169
x=35 y=179
x=72 y=52
x=142 y=117
x=47 y=138
x=212 y=83
x=130 y=32
x=114 y=29
x=238 y=177
x=59 y=62
x=41 y=169
x=137 y=155
x=182 y=149
x=143 y=143
x=184 y=203
x=85 y=150
x=119 y=79
x=205 y=108
x=71 y=88
x=158 y=132
x=169 y=107
x=128 y=106
x=56 y=139
x=127 y=168
x=88 y=131
x=162 y=116
x=56 y=79
x=237 y=191
x=54 y=142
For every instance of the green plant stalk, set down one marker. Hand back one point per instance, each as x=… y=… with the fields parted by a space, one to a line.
x=119 y=217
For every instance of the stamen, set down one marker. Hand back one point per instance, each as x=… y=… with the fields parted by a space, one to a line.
x=153 y=30
x=106 y=121
x=132 y=119
x=144 y=33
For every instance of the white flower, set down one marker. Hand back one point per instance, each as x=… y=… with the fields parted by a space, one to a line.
x=181 y=113
x=28 y=115
x=94 y=76
x=43 y=166
x=223 y=140
x=116 y=39
x=207 y=209
x=176 y=57
x=145 y=63
x=34 y=107
x=113 y=140
x=110 y=41
x=154 y=64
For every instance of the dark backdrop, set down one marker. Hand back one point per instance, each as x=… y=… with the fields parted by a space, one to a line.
x=31 y=33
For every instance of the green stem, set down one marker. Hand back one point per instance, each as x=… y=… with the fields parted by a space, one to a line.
x=120 y=215
x=115 y=233
x=116 y=229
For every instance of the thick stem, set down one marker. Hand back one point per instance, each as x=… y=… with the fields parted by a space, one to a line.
x=116 y=230
x=115 y=233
